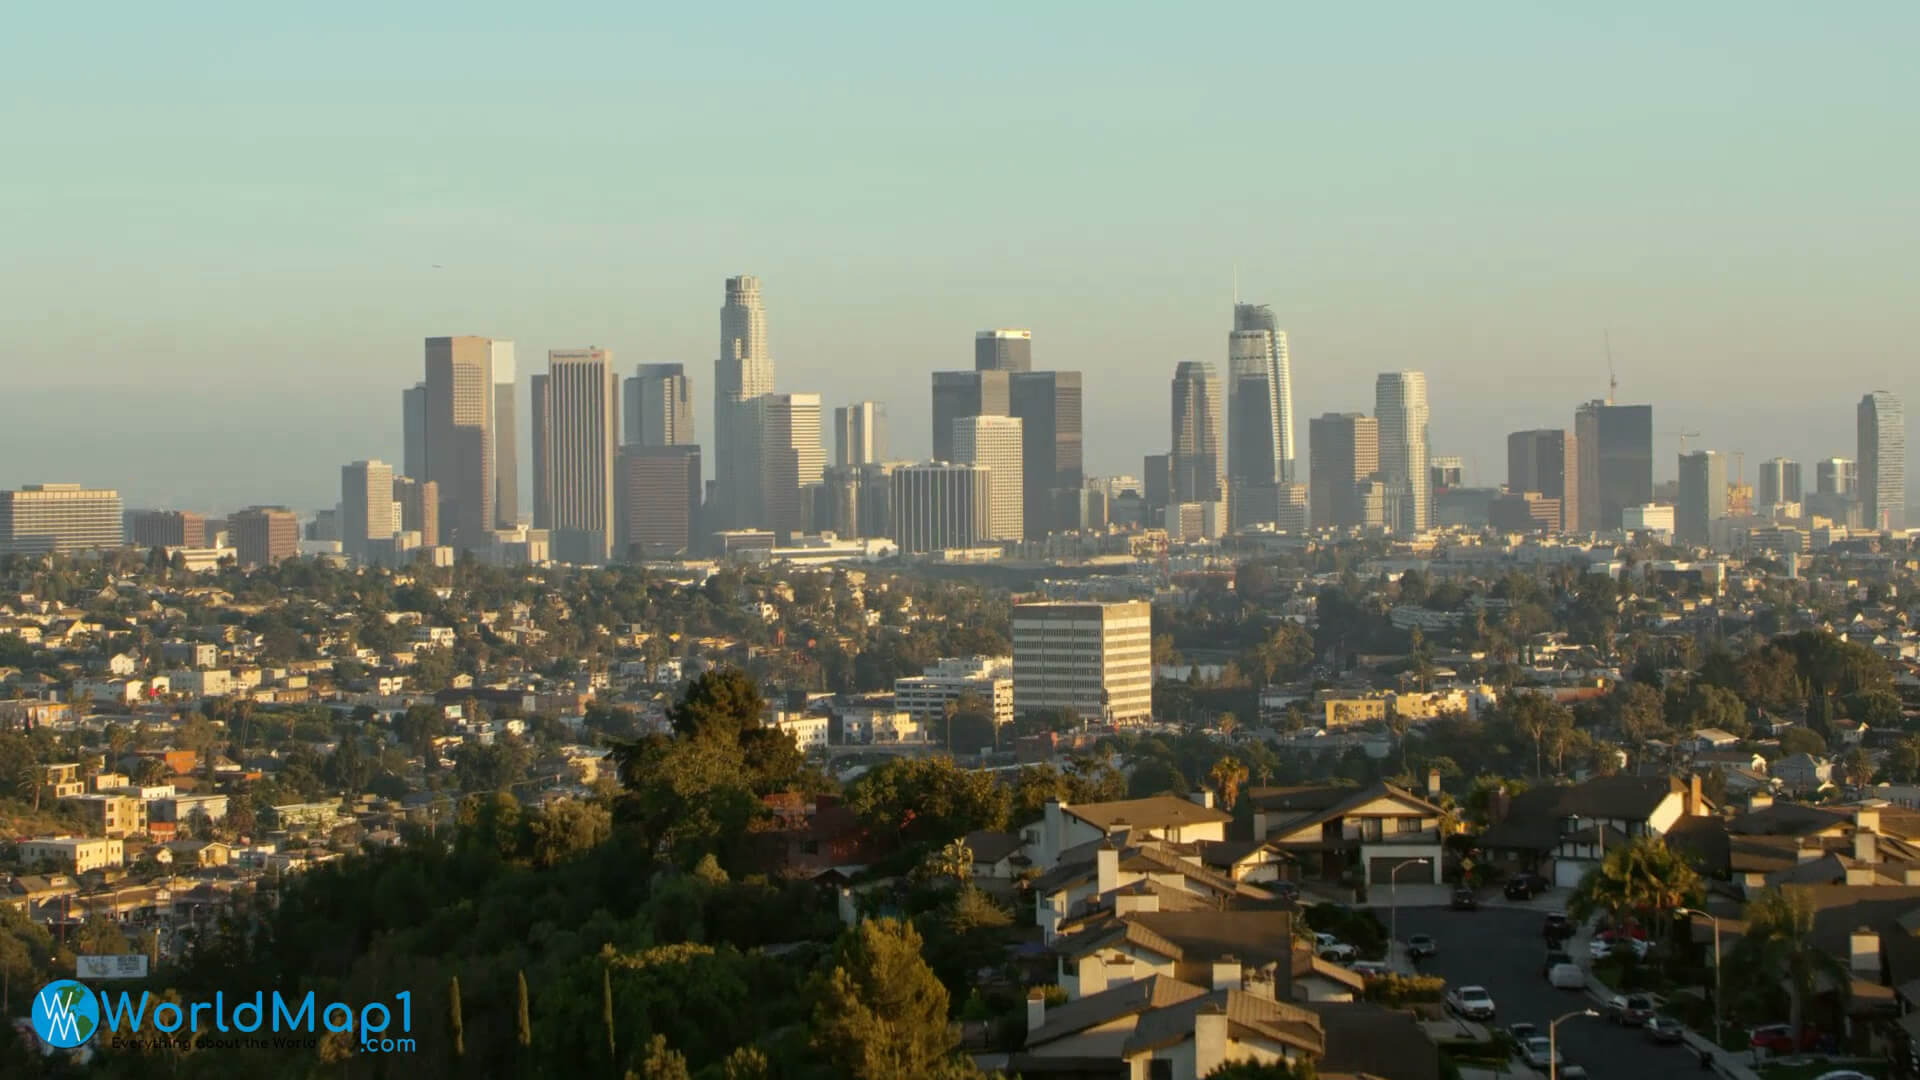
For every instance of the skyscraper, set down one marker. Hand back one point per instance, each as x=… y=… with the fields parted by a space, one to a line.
x=1343 y=452
x=742 y=375
x=1257 y=334
x=1882 y=433
x=165 y=528
x=539 y=432
x=1093 y=659
x=995 y=442
x=1048 y=405
x=419 y=502
x=1616 y=461
x=460 y=434
x=264 y=535
x=1836 y=476
x=1703 y=496
x=366 y=507
x=657 y=500
x=659 y=406
x=940 y=506
x=794 y=459
x=59 y=519
x=413 y=429
x=1003 y=350
x=1199 y=451
x=860 y=433
x=958 y=394
x=1779 y=482
x=506 y=440
x=1547 y=461
x=1400 y=406
x=581 y=427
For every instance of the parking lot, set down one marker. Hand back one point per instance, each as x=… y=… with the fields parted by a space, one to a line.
x=1501 y=949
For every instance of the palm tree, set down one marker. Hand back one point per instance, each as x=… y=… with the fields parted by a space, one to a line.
x=1643 y=877
x=1226 y=776
x=1780 y=937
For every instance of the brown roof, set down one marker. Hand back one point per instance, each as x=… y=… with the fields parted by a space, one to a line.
x=1153 y=992
x=1369 y=1040
x=1158 y=812
x=1319 y=804
x=1248 y=1016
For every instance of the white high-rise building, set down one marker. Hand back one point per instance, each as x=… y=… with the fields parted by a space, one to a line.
x=996 y=442
x=1095 y=659
x=742 y=374
x=506 y=440
x=366 y=507
x=59 y=519
x=860 y=433
x=582 y=423
x=794 y=458
x=1400 y=406
x=1883 y=461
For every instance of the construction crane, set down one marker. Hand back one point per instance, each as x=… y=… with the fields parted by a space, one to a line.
x=1683 y=437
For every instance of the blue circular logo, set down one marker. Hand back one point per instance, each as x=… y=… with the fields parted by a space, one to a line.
x=65 y=1014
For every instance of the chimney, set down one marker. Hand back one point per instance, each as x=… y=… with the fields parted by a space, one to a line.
x=1808 y=854
x=1106 y=863
x=1865 y=845
x=1696 y=803
x=1051 y=828
x=1259 y=823
x=1226 y=973
x=1201 y=797
x=1433 y=783
x=1867 y=820
x=1036 y=1011
x=1863 y=949
x=1210 y=1038
x=1758 y=801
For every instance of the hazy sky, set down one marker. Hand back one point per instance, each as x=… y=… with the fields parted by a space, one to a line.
x=219 y=222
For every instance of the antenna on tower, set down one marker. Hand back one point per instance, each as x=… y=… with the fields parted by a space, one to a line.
x=1236 y=284
x=1613 y=384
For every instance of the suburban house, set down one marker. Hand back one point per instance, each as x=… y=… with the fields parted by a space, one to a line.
x=1331 y=829
x=1704 y=740
x=997 y=856
x=1112 y=875
x=1562 y=832
x=1803 y=772
x=1064 y=827
x=1791 y=844
x=1165 y=1029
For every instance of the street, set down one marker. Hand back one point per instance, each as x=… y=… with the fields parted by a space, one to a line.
x=1501 y=949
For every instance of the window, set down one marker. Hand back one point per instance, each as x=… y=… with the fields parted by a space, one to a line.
x=1412 y=824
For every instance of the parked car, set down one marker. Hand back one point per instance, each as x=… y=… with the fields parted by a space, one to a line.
x=1521 y=1032
x=1421 y=946
x=1465 y=899
x=1572 y=1072
x=1369 y=969
x=1631 y=1010
x=1567 y=976
x=1555 y=957
x=1778 y=1038
x=1601 y=948
x=1285 y=890
x=1539 y=1053
x=1526 y=886
x=1843 y=1074
x=1339 y=952
x=1664 y=1029
x=1472 y=1002
x=1557 y=926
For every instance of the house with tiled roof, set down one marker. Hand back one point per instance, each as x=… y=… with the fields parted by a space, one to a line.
x=1330 y=829
x=1563 y=831
x=1067 y=826
x=1112 y=875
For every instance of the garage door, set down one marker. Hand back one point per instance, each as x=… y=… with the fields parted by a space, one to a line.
x=1380 y=871
x=1568 y=872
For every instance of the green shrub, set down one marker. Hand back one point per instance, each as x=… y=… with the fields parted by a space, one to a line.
x=1396 y=990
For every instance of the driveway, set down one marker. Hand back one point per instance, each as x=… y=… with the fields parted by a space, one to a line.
x=1500 y=948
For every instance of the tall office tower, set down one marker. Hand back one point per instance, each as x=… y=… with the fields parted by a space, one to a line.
x=741 y=376
x=165 y=528
x=419 y=502
x=59 y=519
x=1779 y=482
x=860 y=433
x=1836 y=476
x=460 y=435
x=996 y=442
x=582 y=426
x=1198 y=407
x=960 y=394
x=659 y=406
x=1156 y=487
x=875 y=507
x=506 y=440
x=1048 y=405
x=539 y=433
x=1547 y=461
x=842 y=516
x=1400 y=405
x=1703 y=496
x=1449 y=471
x=1265 y=336
x=366 y=507
x=940 y=506
x=413 y=430
x=1095 y=659
x=657 y=501
x=1883 y=461
x=1003 y=350
x=1253 y=468
x=264 y=535
x=1616 y=461
x=1343 y=452
x=794 y=459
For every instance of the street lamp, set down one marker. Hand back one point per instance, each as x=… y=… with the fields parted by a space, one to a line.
x=1718 y=1035
x=1393 y=899
x=1553 y=1042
